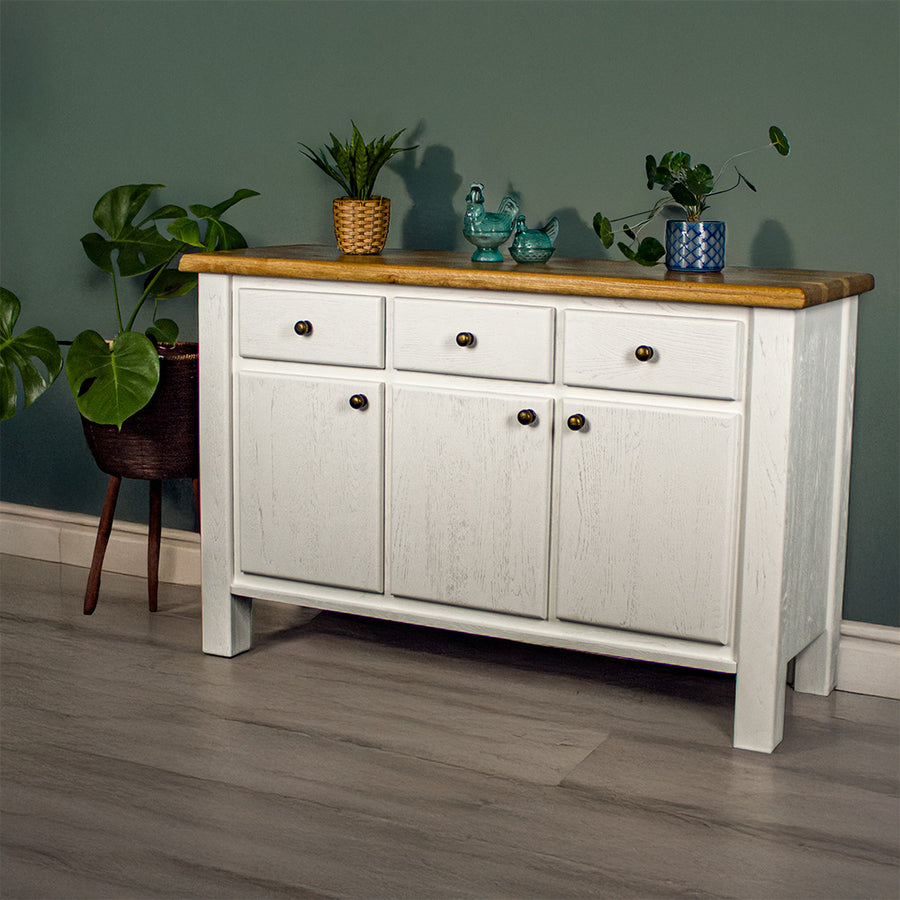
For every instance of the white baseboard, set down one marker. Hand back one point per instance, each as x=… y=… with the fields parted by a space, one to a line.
x=868 y=662
x=69 y=538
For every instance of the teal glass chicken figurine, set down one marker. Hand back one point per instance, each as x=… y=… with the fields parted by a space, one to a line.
x=487 y=231
x=533 y=245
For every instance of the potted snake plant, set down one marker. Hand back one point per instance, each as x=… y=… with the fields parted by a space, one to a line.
x=692 y=244
x=361 y=218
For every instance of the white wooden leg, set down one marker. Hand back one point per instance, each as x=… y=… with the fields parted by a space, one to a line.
x=815 y=668
x=759 y=705
x=227 y=625
x=227 y=619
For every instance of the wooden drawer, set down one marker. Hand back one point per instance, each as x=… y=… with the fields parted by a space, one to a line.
x=691 y=357
x=340 y=329
x=507 y=341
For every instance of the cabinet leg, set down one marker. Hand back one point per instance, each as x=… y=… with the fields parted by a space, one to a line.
x=154 y=533
x=815 y=668
x=759 y=706
x=228 y=625
x=103 y=531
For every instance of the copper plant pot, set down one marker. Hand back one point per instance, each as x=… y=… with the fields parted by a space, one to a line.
x=162 y=440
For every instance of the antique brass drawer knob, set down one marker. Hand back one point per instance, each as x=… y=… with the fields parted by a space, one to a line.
x=303 y=327
x=359 y=401
x=465 y=339
x=576 y=422
x=527 y=417
x=644 y=353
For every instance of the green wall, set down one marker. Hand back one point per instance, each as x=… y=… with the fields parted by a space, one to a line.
x=557 y=101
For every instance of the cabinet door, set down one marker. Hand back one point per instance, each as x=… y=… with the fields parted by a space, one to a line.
x=310 y=480
x=648 y=519
x=470 y=488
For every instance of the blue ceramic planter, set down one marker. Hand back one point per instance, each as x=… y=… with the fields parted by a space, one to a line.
x=695 y=246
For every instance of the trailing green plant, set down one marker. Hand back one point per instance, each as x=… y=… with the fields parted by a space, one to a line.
x=687 y=187
x=112 y=380
x=17 y=353
x=356 y=163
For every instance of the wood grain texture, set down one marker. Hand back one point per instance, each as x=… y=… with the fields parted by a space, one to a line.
x=346 y=329
x=737 y=286
x=362 y=759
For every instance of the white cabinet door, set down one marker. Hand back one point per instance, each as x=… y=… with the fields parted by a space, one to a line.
x=470 y=489
x=648 y=519
x=310 y=485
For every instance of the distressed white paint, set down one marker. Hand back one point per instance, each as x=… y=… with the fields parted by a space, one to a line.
x=510 y=341
x=727 y=484
x=309 y=499
x=694 y=357
x=347 y=329
x=227 y=617
x=471 y=499
x=648 y=519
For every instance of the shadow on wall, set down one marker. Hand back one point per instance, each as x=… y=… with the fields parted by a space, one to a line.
x=431 y=223
x=772 y=247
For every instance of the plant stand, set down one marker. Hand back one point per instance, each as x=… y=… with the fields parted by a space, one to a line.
x=153 y=540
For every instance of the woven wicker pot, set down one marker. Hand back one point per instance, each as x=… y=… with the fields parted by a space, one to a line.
x=161 y=440
x=361 y=226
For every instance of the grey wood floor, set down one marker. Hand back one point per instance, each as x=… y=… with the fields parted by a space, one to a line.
x=347 y=757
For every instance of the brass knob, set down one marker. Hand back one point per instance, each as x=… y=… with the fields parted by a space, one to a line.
x=303 y=327
x=359 y=401
x=644 y=353
x=527 y=417
x=576 y=422
x=465 y=339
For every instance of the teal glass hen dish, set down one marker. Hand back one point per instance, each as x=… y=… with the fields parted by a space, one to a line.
x=488 y=231
x=533 y=245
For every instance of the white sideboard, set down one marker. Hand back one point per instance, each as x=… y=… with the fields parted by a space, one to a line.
x=583 y=455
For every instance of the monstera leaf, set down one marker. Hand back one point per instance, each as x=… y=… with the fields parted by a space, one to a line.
x=18 y=352
x=136 y=247
x=111 y=382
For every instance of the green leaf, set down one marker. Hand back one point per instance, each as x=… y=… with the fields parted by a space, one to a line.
x=648 y=252
x=135 y=249
x=627 y=251
x=779 y=141
x=17 y=353
x=682 y=195
x=681 y=162
x=700 y=180
x=650 y=169
x=742 y=178
x=186 y=230
x=111 y=383
x=171 y=283
x=604 y=230
x=163 y=331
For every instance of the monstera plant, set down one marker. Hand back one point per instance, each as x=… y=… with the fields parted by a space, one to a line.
x=20 y=353
x=686 y=187
x=112 y=379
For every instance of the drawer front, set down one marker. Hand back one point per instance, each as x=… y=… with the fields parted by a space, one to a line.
x=657 y=354
x=333 y=329
x=485 y=340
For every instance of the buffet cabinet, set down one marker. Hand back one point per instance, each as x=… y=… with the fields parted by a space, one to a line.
x=566 y=456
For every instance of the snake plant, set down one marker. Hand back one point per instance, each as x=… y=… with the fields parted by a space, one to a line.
x=356 y=163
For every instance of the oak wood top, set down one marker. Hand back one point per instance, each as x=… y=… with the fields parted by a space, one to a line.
x=735 y=286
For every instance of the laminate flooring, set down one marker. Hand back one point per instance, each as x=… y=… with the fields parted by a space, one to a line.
x=348 y=757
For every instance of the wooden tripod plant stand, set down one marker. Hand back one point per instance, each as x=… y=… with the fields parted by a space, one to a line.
x=153 y=540
x=160 y=441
